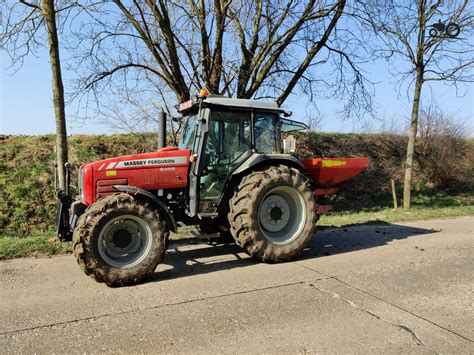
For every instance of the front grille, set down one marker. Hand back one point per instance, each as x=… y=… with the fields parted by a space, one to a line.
x=106 y=187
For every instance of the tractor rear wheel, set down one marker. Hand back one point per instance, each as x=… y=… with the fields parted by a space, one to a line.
x=273 y=214
x=120 y=240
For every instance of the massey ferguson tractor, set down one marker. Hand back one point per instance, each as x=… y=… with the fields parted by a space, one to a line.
x=231 y=175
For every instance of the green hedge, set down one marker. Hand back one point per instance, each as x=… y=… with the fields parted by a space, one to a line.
x=27 y=202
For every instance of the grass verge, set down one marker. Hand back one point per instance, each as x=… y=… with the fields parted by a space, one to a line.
x=388 y=215
x=35 y=245
x=44 y=244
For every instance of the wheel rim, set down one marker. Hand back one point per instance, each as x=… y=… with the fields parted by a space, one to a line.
x=282 y=215
x=125 y=241
x=452 y=30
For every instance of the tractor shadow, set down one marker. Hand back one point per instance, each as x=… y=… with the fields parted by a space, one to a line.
x=336 y=240
x=198 y=256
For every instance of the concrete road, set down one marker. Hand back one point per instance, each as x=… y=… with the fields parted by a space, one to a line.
x=391 y=288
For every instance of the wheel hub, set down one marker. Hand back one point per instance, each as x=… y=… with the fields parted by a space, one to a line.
x=124 y=241
x=282 y=215
x=122 y=238
x=276 y=213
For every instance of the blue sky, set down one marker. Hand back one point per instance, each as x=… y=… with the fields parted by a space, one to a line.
x=26 y=105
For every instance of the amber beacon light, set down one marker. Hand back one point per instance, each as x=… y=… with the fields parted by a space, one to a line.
x=203 y=92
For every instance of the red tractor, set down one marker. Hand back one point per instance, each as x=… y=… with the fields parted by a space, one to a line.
x=231 y=174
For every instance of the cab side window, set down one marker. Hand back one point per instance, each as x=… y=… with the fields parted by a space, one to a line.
x=265 y=133
x=228 y=144
x=229 y=137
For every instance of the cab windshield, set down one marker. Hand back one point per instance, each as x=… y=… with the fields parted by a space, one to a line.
x=189 y=131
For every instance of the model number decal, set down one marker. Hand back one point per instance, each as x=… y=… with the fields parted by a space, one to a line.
x=151 y=162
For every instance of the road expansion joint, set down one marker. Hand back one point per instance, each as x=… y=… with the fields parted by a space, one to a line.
x=400 y=326
x=366 y=293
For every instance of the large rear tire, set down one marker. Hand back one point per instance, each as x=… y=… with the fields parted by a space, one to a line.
x=273 y=214
x=120 y=240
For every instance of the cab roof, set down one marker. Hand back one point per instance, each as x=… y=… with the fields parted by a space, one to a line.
x=219 y=100
x=244 y=103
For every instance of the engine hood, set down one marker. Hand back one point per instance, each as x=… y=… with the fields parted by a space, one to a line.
x=170 y=156
x=166 y=168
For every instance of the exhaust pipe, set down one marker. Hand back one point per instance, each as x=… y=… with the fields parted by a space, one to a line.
x=161 y=135
x=161 y=129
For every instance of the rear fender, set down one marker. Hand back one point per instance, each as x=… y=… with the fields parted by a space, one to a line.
x=255 y=162
x=154 y=200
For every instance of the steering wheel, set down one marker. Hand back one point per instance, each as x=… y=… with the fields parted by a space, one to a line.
x=212 y=154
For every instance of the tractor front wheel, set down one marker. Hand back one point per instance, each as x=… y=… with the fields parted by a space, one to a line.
x=120 y=240
x=273 y=214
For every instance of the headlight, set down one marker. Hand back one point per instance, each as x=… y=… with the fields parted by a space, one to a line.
x=81 y=184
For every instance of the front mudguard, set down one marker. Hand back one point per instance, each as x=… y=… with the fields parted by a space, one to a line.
x=160 y=205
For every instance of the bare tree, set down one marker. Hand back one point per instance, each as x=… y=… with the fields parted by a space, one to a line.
x=241 y=48
x=420 y=52
x=24 y=25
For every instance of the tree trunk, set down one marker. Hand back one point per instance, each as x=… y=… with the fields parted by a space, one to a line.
x=412 y=139
x=49 y=13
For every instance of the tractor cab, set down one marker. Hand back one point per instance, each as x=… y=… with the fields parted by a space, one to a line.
x=224 y=135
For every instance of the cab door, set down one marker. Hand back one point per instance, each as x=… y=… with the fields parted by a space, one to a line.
x=198 y=160
x=228 y=144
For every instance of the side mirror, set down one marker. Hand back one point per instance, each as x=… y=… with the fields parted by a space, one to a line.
x=289 y=145
x=177 y=119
